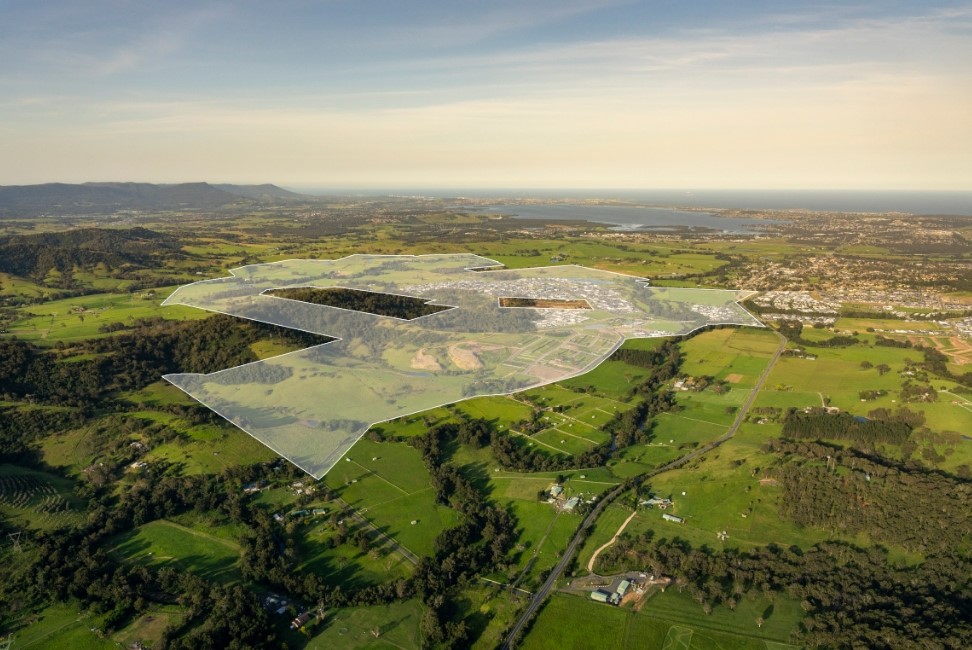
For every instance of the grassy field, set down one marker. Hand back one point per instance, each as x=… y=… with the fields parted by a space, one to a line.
x=12 y=285
x=604 y=529
x=397 y=626
x=721 y=494
x=500 y=410
x=204 y=448
x=837 y=377
x=489 y=611
x=211 y=449
x=668 y=621
x=611 y=379
x=388 y=483
x=347 y=565
x=544 y=533
x=736 y=354
x=162 y=542
x=148 y=627
x=62 y=626
x=81 y=317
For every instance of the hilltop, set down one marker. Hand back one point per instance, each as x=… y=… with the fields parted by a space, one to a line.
x=102 y=198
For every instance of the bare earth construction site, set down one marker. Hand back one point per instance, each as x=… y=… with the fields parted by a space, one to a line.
x=312 y=405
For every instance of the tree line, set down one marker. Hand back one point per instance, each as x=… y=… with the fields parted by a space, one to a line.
x=134 y=359
x=848 y=492
x=853 y=598
x=793 y=330
x=817 y=423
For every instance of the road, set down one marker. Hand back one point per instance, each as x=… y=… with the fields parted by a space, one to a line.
x=578 y=538
x=590 y=565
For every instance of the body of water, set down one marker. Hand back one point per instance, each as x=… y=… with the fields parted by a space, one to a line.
x=629 y=217
x=913 y=202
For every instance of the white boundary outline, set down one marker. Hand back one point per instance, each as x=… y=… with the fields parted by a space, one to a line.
x=499 y=267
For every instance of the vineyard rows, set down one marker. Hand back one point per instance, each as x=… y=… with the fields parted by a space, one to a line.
x=29 y=493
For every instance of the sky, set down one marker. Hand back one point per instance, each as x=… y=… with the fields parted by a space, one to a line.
x=742 y=94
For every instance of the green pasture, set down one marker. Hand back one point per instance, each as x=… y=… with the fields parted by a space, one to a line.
x=72 y=451
x=863 y=324
x=490 y=610
x=710 y=406
x=397 y=625
x=837 y=374
x=604 y=528
x=611 y=379
x=737 y=355
x=148 y=627
x=543 y=535
x=267 y=348
x=346 y=564
x=721 y=494
x=643 y=344
x=100 y=278
x=387 y=483
x=503 y=411
x=159 y=393
x=12 y=285
x=564 y=441
x=276 y=497
x=781 y=617
x=770 y=249
x=567 y=622
x=81 y=317
x=163 y=542
x=660 y=260
x=210 y=449
x=60 y=625
x=668 y=621
x=415 y=425
x=638 y=459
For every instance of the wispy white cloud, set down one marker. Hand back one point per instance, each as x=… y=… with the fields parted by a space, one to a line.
x=93 y=52
x=866 y=102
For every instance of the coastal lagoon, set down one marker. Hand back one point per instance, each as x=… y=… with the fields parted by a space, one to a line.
x=623 y=217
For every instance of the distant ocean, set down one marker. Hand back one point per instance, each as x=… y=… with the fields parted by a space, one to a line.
x=913 y=202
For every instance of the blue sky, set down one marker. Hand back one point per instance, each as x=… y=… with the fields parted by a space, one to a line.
x=568 y=93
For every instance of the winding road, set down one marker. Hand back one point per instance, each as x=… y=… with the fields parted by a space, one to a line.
x=579 y=536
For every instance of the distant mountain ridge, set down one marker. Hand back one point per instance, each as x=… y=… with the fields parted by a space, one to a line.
x=102 y=198
x=264 y=192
